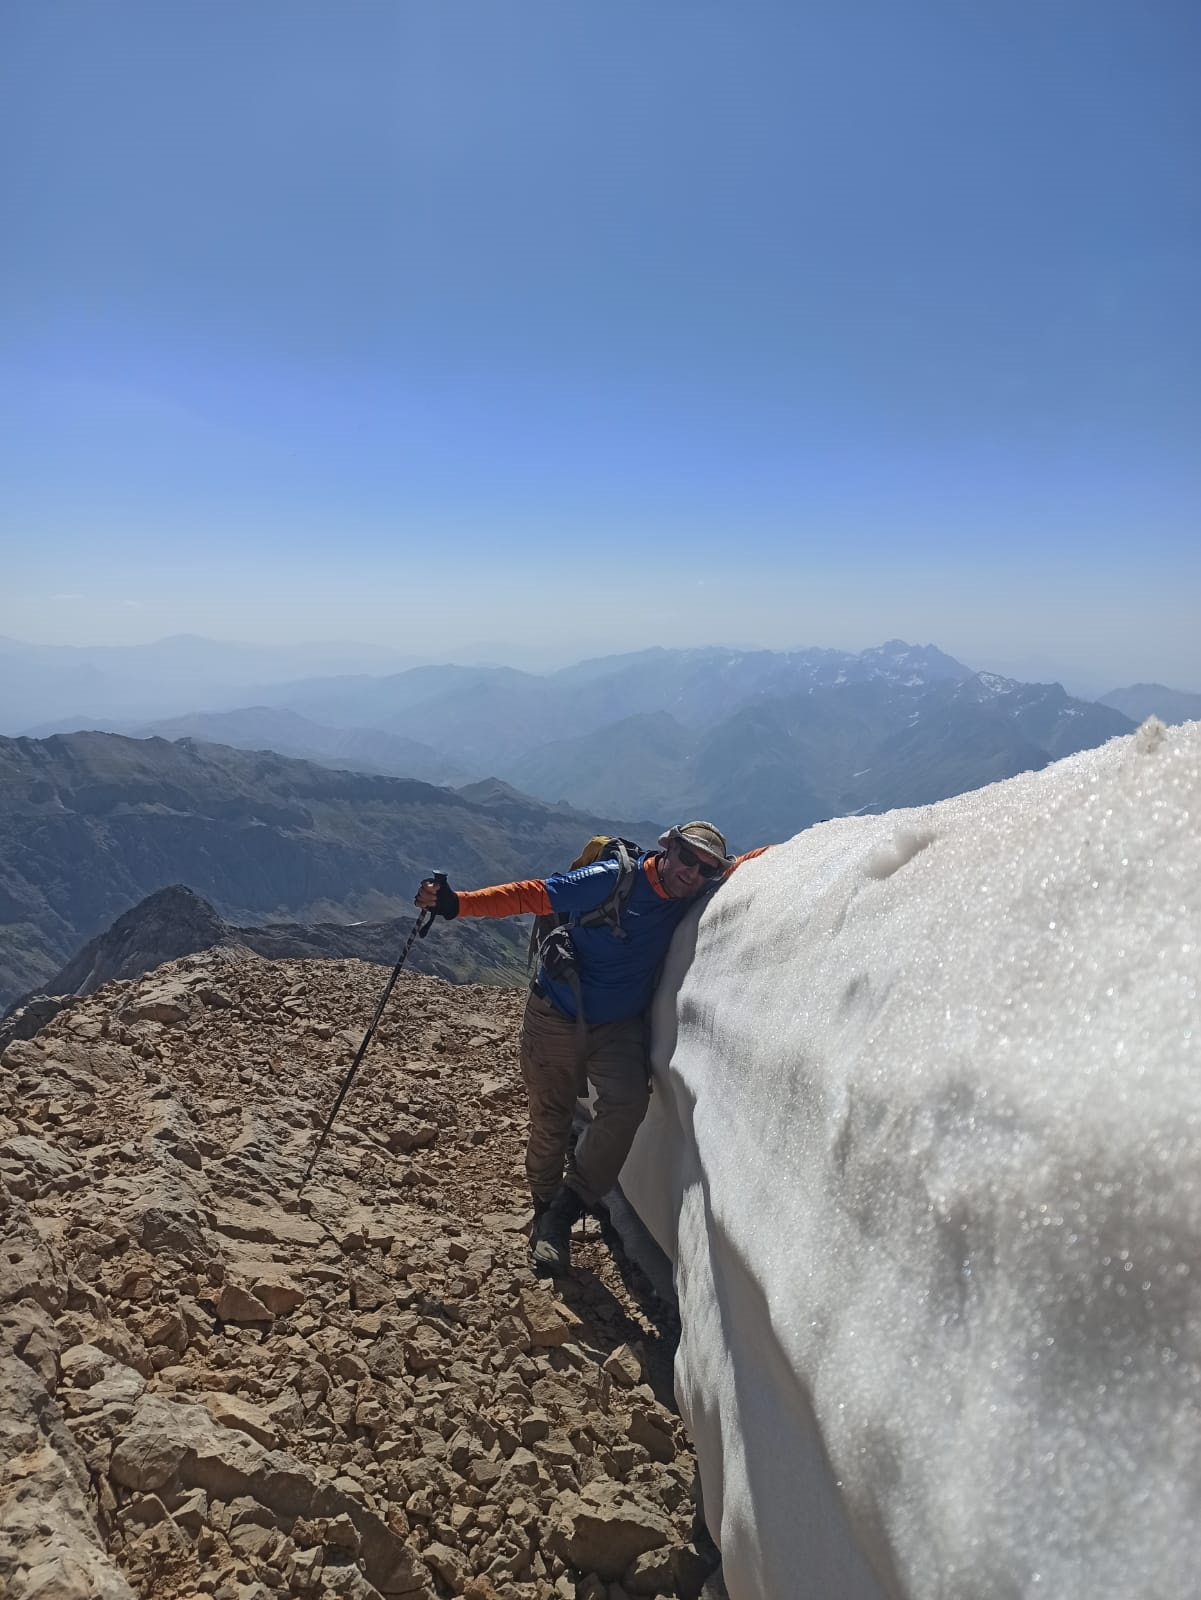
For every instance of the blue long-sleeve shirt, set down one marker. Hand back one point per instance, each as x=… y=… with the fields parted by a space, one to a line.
x=617 y=969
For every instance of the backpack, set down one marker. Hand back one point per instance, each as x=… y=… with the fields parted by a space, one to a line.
x=550 y=941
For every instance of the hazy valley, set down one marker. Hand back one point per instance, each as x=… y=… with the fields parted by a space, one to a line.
x=92 y=823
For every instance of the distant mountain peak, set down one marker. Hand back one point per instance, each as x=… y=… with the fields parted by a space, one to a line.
x=492 y=789
x=172 y=922
x=995 y=683
x=1142 y=700
x=927 y=660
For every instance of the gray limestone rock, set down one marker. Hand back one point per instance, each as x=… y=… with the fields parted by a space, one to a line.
x=28 y=1331
x=30 y=1268
x=49 y=1162
x=169 y=1220
x=605 y=1528
x=50 y=1545
x=178 y=1444
x=29 y=1016
x=652 y=1433
x=167 y=1003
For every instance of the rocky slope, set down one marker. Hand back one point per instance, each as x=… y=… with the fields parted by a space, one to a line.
x=215 y=1385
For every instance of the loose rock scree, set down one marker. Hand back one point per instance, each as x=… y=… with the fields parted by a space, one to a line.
x=211 y=1387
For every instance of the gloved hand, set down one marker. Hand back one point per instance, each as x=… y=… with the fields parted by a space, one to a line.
x=438 y=897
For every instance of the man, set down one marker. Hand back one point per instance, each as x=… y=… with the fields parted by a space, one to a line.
x=591 y=1021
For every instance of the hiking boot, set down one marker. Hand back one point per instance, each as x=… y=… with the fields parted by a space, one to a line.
x=550 y=1242
x=541 y=1207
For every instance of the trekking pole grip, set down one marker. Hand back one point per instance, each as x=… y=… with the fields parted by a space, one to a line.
x=441 y=879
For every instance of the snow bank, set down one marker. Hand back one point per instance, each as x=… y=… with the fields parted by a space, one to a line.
x=926 y=1150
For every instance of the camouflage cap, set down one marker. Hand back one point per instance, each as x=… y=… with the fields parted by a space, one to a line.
x=701 y=836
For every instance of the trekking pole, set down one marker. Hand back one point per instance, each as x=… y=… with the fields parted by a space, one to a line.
x=421 y=927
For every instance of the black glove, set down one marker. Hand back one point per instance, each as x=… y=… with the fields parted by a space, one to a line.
x=447 y=903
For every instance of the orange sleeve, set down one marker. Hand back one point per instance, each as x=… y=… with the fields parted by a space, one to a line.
x=749 y=855
x=505 y=899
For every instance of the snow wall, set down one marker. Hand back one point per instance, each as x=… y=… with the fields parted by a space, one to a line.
x=925 y=1148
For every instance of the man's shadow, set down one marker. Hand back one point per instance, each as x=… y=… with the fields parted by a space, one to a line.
x=655 y=1332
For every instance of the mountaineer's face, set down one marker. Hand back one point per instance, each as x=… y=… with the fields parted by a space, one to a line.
x=684 y=871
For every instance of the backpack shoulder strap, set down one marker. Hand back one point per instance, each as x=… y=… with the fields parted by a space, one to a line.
x=609 y=912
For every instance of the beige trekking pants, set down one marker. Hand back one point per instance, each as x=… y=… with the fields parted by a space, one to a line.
x=615 y=1063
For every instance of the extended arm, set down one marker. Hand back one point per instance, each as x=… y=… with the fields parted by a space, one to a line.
x=506 y=899
x=501 y=900
x=567 y=892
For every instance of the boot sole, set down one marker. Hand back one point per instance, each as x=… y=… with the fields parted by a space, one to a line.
x=543 y=1269
x=553 y=1268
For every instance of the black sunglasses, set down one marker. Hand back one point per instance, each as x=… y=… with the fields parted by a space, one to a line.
x=689 y=858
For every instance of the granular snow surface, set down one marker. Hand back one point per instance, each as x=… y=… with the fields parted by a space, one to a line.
x=925 y=1150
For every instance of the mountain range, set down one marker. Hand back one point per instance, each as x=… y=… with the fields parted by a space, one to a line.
x=289 y=734
x=771 y=740
x=784 y=761
x=325 y=799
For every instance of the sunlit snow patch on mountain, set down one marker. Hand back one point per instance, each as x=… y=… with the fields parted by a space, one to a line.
x=924 y=1145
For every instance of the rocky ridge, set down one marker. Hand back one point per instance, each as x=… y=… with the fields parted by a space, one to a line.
x=176 y=921
x=215 y=1386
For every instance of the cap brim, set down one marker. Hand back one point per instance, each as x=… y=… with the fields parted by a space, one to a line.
x=705 y=849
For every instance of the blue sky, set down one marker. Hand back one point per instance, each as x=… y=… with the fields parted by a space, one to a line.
x=598 y=326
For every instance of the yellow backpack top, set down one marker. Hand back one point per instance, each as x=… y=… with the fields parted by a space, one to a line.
x=600 y=848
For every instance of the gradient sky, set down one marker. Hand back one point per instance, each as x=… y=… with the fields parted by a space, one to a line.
x=596 y=326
